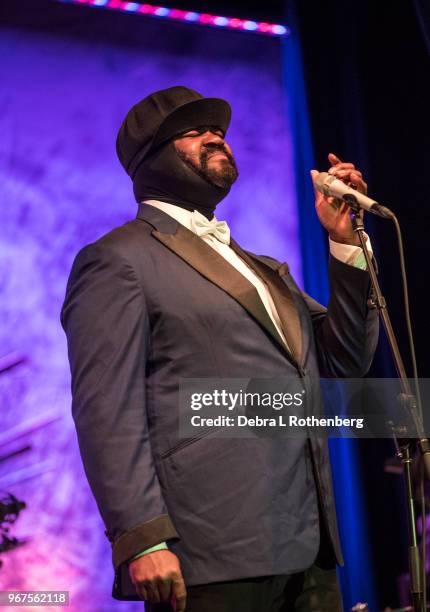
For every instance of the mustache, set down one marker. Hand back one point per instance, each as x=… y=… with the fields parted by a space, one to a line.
x=212 y=148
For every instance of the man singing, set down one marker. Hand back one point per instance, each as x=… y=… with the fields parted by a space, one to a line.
x=206 y=524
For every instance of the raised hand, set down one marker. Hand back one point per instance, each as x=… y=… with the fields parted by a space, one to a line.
x=334 y=214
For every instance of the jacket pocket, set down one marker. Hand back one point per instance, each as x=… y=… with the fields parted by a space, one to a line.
x=187 y=442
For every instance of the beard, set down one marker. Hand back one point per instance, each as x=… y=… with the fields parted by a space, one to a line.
x=223 y=175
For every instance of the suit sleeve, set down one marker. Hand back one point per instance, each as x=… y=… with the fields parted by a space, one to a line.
x=346 y=332
x=107 y=327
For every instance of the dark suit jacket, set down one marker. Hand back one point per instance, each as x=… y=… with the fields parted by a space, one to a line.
x=149 y=304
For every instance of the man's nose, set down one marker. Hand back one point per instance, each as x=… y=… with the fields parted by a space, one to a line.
x=212 y=137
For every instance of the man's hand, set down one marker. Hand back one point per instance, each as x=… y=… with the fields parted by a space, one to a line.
x=157 y=578
x=334 y=214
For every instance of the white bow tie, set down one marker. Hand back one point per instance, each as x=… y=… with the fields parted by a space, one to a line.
x=202 y=227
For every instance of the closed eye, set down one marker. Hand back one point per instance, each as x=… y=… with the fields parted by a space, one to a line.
x=192 y=133
x=202 y=130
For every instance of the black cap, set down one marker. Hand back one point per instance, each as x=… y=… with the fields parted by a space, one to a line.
x=163 y=115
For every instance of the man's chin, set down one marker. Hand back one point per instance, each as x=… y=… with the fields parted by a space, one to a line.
x=222 y=174
x=223 y=179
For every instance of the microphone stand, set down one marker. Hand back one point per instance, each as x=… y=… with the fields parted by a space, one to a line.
x=408 y=399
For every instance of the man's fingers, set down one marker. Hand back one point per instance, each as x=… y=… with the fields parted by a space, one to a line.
x=157 y=578
x=179 y=604
x=165 y=589
x=318 y=195
x=357 y=181
x=158 y=590
x=152 y=592
x=142 y=592
x=179 y=594
x=344 y=167
x=349 y=175
x=333 y=159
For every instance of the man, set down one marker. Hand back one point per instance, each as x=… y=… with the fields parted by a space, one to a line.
x=207 y=524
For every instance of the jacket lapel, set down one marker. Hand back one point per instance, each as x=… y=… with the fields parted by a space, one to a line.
x=283 y=299
x=217 y=270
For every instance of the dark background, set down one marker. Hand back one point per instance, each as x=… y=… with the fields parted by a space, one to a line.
x=367 y=77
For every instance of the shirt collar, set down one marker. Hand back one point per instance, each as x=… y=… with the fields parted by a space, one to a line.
x=181 y=215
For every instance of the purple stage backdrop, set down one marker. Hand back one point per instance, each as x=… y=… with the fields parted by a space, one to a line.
x=67 y=81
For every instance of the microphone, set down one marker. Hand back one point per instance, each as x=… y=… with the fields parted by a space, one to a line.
x=331 y=186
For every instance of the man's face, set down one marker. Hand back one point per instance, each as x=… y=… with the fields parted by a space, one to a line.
x=206 y=152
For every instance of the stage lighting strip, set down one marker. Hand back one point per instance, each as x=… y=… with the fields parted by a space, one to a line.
x=217 y=21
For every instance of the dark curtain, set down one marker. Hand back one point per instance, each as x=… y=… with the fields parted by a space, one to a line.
x=366 y=70
x=422 y=9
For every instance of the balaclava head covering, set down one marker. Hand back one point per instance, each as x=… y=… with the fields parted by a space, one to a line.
x=146 y=150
